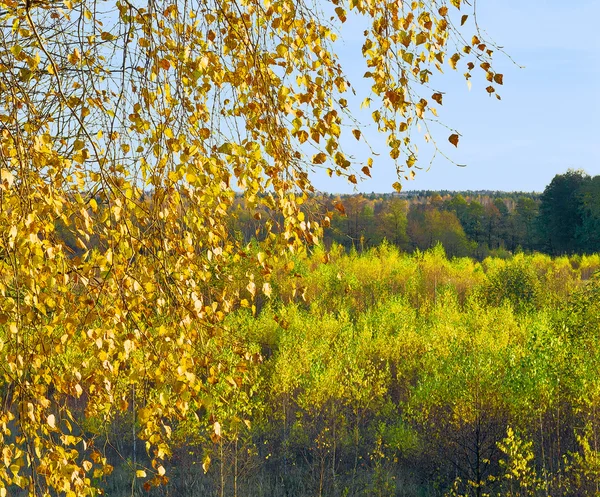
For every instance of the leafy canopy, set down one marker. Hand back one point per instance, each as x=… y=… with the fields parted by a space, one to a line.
x=126 y=129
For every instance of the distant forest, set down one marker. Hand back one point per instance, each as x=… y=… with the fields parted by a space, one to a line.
x=564 y=219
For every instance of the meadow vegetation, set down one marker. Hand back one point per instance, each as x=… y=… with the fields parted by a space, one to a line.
x=386 y=373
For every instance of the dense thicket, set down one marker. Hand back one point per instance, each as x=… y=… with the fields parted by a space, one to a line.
x=390 y=374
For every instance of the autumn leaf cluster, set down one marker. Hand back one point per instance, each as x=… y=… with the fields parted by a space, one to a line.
x=126 y=129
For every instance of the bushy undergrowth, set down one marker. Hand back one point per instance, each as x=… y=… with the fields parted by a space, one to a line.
x=416 y=375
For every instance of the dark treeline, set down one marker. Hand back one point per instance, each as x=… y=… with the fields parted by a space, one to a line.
x=564 y=219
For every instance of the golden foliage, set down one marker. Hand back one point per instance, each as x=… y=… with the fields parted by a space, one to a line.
x=126 y=130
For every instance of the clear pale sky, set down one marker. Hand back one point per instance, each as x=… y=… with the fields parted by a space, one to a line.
x=547 y=121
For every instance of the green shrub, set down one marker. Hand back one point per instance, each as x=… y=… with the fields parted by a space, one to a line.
x=516 y=283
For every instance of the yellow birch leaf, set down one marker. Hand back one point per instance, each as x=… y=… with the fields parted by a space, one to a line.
x=6 y=175
x=267 y=289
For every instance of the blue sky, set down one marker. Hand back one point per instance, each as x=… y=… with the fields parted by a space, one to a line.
x=548 y=119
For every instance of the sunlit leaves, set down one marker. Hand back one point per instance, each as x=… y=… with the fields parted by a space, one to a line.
x=126 y=142
x=454 y=60
x=392 y=49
